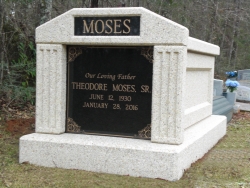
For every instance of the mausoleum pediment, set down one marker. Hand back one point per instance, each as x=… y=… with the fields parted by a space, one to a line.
x=154 y=29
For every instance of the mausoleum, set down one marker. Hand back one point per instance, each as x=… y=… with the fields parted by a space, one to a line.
x=160 y=119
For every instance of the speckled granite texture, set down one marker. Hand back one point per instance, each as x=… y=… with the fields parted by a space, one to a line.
x=168 y=86
x=123 y=156
x=50 y=88
x=183 y=129
x=179 y=70
x=60 y=30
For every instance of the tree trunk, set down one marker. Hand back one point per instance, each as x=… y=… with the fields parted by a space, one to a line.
x=214 y=22
x=143 y=3
x=221 y=44
x=128 y=3
x=1 y=40
x=234 y=46
x=94 y=4
x=46 y=9
x=123 y=4
x=159 y=12
x=83 y=3
x=236 y=33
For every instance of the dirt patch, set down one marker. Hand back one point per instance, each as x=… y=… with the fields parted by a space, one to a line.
x=240 y=116
x=20 y=126
x=248 y=102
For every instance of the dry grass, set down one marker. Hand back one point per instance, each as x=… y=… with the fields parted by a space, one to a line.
x=226 y=165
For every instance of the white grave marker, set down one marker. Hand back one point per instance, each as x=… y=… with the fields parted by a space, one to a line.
x=244 y=77
x=243 y=93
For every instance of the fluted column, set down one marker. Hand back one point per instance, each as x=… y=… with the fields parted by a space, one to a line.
x=167 y=101
x=51 y=89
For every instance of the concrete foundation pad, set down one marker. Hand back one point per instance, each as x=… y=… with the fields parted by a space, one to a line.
x=124 y=156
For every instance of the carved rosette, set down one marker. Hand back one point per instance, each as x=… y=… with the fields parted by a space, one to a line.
x=145 y=132
x=147 y=52
x=72 y=126
x=73 y=53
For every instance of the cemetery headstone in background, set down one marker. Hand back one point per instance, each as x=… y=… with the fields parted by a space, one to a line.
x=244 y=77
x=124 y=72
x=218 y=87
x=243 y=91
x=221 y=106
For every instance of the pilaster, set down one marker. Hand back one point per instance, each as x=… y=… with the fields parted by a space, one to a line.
x=167 y=101
x=51 y=88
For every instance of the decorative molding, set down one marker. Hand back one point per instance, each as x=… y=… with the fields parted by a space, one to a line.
x=74 y=52
x=145 y=132
x=50 y=93
x=72 y=126
x=167 y=100
x=147 y=52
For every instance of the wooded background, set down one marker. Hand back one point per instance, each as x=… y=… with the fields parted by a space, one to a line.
x=221 y=22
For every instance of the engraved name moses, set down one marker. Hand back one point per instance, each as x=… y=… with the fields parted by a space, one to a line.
x=107 y=26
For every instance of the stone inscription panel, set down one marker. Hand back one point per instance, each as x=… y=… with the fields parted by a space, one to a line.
x=107 y=26
x=109 y=90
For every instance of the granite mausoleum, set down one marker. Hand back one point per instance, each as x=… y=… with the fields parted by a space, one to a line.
x=125 y=73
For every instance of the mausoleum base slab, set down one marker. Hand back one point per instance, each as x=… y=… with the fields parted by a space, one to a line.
x=123 y=156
